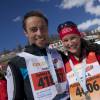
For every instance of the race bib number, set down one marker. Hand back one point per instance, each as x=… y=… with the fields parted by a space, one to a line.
x=42 y=80
x=61 y=75
x=93 y=86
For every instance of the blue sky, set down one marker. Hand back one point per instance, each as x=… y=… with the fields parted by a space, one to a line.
x=85 y=13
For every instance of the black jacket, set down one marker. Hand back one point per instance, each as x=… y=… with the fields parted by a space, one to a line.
x=18 y=65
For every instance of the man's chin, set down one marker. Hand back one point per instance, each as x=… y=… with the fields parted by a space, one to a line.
x=41 y=45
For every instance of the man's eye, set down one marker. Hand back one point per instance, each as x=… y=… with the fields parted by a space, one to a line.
x=34 y=29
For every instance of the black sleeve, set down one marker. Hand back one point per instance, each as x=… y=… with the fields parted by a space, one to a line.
x=64 y=57
x=26 y=91
x=18 y=81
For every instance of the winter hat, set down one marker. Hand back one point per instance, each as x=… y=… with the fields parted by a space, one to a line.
x=67 y=28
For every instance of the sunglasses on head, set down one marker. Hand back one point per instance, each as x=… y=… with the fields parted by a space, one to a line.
x=66 y=24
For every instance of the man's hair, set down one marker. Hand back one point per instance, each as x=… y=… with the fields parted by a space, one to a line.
x=33 y=13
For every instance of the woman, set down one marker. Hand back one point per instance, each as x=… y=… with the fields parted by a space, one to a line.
x=82 y=63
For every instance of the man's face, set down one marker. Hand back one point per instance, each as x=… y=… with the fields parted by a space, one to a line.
x=72 y=43
x=37 y=31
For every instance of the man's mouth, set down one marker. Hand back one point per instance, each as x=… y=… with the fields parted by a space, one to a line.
x=39 y=38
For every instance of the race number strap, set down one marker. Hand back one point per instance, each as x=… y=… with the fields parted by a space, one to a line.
x=51 y=66
x=83 y=80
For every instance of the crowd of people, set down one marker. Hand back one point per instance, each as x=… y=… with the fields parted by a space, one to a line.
x=43 y=73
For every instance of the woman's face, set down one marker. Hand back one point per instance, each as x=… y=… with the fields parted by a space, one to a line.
x=72 y=43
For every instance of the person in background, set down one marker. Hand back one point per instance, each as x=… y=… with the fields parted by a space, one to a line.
x=82 y=63
x=33 y=69
x=3 y=84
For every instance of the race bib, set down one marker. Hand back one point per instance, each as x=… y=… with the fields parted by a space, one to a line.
x=93 y=86
x=42 y=80
x=92 y=83
x=42 y=83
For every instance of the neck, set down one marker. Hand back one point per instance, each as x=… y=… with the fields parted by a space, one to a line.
x=77 y=55
x=39 y=46
x=77 y=58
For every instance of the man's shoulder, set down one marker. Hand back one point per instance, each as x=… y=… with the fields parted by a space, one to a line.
x=17 y=61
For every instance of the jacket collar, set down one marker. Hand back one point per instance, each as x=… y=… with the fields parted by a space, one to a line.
x=33 y=49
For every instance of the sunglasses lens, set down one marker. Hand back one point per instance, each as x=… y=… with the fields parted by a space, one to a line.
x=60 y=27
x=66 y=24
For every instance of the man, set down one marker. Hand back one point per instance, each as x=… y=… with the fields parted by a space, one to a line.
x=35 y=67
x=82 y=63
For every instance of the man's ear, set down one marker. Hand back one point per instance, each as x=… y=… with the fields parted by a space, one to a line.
x=26 y=34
